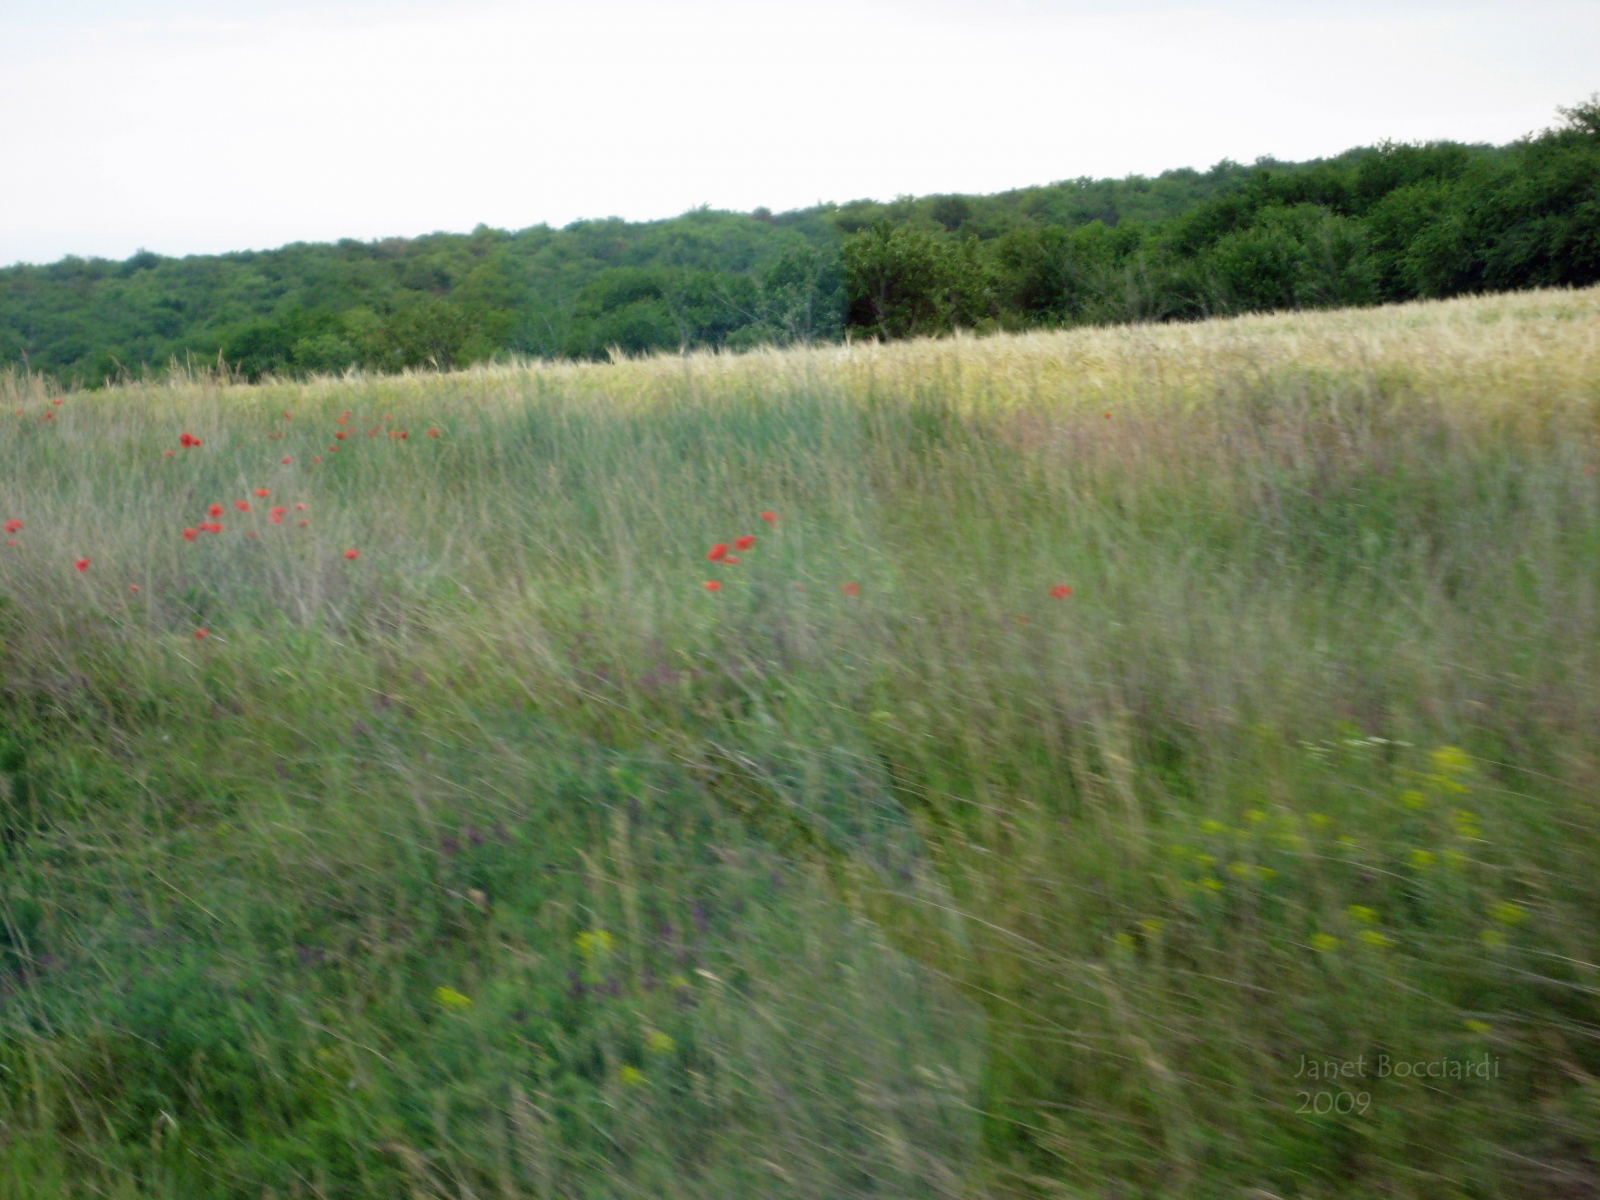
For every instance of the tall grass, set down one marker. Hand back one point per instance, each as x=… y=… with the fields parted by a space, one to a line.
x=508 y=859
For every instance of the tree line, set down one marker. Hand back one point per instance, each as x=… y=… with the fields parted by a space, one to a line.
x=1372 y=225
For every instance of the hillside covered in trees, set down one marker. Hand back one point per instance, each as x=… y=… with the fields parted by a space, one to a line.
x=1372 y=225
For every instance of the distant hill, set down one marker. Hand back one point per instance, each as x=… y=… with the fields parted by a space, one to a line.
x=1374 y=224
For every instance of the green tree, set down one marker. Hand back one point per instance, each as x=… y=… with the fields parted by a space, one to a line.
x=1377 y=223
x=904 y=281
x=801 y=299
x=641 y=309
x=428 y=331
x=1092 y=274
x=295 y=342
x=1299 y=257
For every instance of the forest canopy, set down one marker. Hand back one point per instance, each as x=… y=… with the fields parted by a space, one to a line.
x=1373 y=225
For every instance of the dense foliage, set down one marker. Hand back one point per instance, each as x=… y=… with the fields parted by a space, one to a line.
x=1377 y=224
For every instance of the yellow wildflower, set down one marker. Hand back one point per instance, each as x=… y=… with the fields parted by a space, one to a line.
x=595 y=943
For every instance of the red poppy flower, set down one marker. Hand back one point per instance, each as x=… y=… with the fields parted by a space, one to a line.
x=852 y=590
x=215 y=510
x=133 y=589
x=731 y=560
x=276 y=515
x=403 y=435
x=168 y=453
x=13 y=525
x=1061 y=591
x=333 y=449
x=744 y=543
x=190 y=535
x=56 y=401
x=316 y=459
x=713 y=586
x=303 y=524
x=352 y=554
x=287 y=417
x=433 y=433
x=49 y=416
x=340 y=435
x=263 y=493
x=299 y=508
x=212 y=527
x=287 y=461
x=771 y=518
x=201 y=635
x=242 y=505
x=10 y=542
x=188 y=440
x=82 y=564
x=718 y=552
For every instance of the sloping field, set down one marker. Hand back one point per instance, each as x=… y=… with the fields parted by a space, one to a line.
x=1153 y=761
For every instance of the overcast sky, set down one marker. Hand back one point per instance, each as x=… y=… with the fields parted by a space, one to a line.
x=187 y=127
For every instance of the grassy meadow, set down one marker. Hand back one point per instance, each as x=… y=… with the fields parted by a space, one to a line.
x=1110 y=734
